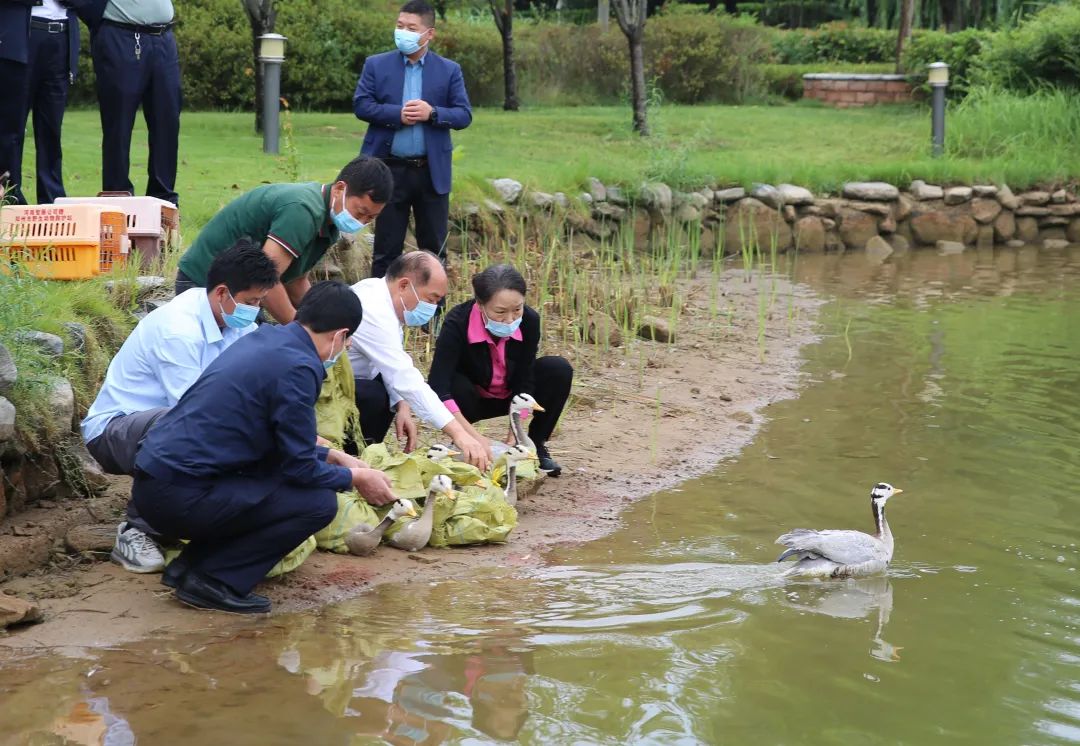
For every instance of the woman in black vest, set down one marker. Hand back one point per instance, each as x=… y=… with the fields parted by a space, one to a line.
x=486 y=355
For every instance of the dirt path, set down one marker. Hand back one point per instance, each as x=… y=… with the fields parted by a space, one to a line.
x=639 y=422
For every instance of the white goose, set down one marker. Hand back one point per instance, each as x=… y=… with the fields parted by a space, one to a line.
x=364 y=538
x=842 y=554
x=519 y=403
x=417 y=533
x=514 y=455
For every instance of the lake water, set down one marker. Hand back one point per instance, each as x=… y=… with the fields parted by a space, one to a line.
x=956 y=378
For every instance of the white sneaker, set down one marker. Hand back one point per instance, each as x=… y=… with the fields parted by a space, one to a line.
x=136 y=551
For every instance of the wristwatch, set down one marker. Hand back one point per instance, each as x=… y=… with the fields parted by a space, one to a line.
x=434 y=117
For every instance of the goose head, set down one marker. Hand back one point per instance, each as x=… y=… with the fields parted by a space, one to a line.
x=526 y=402
x=438 y=452
x=402 y=508
x=441 y=485
x=517 y=453
x=881 y=493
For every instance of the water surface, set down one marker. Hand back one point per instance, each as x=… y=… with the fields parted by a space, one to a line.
x=956 y=378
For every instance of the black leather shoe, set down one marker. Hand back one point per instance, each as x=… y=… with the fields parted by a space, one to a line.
x=547 y=463
x=206 y=593
x=174 y=572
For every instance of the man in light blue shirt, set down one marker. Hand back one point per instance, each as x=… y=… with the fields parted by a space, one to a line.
x=163 y=357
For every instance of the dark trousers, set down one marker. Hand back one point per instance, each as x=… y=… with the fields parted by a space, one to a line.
x=184 y=283
x=50 y=77
x=238 y=527
x=126 y=81
x=14 y=84
x=373 y=401
x=552 y=376
x=431 y=212
x=118 y=445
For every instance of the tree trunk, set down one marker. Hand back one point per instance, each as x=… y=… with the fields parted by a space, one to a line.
x=950 y=14
x=731 y=7
x=603 y=13
x=907 y=18
x=510 y=99
x=503 y=11
x=631 y=15
x=637 y=82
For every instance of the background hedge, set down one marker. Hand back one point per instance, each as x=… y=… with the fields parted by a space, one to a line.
x=692 y=57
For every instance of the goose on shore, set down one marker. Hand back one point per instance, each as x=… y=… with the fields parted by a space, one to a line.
x=364 y=538
x=842 y=554
x=416 y=533
x=514 y=455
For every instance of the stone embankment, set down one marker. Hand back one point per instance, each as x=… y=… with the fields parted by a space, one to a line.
x=877 y=215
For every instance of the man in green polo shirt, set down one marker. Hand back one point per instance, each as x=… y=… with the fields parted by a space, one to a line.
x=295 y=224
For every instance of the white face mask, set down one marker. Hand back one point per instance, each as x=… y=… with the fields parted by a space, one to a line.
x=331 y=361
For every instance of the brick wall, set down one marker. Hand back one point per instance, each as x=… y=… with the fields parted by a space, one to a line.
x=843 y=91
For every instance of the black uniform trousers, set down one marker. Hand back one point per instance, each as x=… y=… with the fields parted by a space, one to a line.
x=373 y=401
x=13 y=107
x=552 y=376
x=137 y=69
x=49 y=78
x=238 y=527
x=431 y=213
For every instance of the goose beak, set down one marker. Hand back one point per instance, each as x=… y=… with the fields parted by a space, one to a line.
x=412 y=512
x=896 y=490
x=453 y=453
x=537 y=407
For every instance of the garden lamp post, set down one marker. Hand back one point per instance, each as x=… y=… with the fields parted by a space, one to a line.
x=271 y=55
x=938 y=78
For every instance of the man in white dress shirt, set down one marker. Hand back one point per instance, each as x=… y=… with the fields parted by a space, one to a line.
x=388 y=385
x=159 y=361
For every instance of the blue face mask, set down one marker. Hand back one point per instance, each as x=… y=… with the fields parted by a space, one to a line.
x=243 y=315
x=344 y=221
x=500 y=328
x=408 y=42
x=331 y=361
x=420 y=315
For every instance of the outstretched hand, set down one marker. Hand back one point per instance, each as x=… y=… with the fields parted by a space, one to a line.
x=373 y=486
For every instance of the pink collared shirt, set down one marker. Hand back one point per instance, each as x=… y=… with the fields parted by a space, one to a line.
x=476 y=333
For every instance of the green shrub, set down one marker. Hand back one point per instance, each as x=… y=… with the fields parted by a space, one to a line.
x=691 y=57
x=835 y=42
x=701 y=58
x=1044 y=50
x=960 y=51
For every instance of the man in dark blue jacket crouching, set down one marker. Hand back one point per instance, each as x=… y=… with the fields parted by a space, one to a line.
x=234 y=469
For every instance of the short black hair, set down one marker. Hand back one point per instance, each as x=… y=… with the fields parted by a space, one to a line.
x=495 y=278
x=330 y=305
x=242 y=266
x=422 y=9
x=368 y=176
x=415 y=264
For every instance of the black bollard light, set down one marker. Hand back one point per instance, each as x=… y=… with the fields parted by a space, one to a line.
x=271 y=55
x=938 y=78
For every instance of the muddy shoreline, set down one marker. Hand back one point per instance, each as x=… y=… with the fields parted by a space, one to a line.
x=639 y=421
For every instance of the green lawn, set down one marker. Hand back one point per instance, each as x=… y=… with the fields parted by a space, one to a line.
x=556 y=149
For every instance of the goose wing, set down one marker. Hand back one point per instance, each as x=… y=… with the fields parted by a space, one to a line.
x=842 y=547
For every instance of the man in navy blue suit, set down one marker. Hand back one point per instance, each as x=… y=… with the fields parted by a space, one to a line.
x=411 y=98
x=39 y=53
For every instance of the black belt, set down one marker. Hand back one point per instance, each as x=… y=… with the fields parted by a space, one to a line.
x=53 y=27
x=414 y=162
x=135 y=28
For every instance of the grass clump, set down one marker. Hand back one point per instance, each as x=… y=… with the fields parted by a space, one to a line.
x=31 y=304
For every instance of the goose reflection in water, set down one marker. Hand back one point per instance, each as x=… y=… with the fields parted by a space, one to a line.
x=854 y=598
